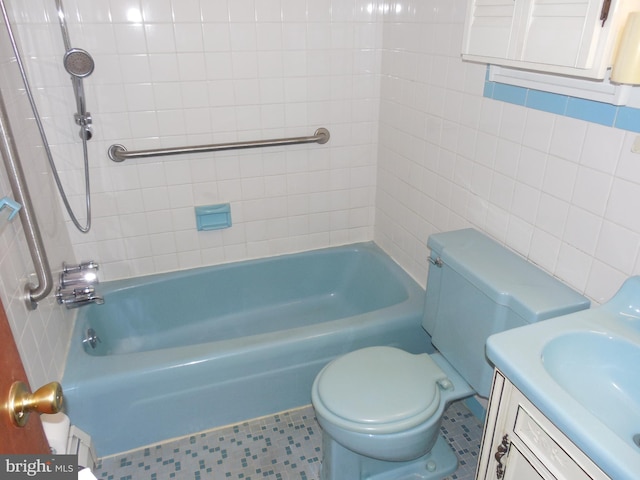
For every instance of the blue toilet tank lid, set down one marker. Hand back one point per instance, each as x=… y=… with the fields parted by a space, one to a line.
x=505 y=277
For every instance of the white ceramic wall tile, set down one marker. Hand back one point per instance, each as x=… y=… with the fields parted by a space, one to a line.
x=506 y=159
x=617 y=245
x=603 y=282
x=560 y=176
x=43 y=335
x=623 y=194
x=415 y=148
x=512 y=122
x=628 y=164
x=560 y=188
x=573 y=266
x=568 y=138
x=552 y=214
x=525 y=202
x=490 y=116
x=602 y=148
x=538 y=130
x=223 y=71
x=531 y=167
x=591 y=190
x=582 y=229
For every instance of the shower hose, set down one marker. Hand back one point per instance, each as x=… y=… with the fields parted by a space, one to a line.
x=85 y=131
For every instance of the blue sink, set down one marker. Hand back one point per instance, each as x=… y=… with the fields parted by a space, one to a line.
x=582 y=371
x=602 y=373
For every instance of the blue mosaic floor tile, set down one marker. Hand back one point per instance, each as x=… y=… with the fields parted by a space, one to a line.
x=285 y=446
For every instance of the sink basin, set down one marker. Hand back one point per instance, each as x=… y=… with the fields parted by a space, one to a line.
x=582 y=371
x=602 y=373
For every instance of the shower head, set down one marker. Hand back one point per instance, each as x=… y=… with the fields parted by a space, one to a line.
x=78 y=63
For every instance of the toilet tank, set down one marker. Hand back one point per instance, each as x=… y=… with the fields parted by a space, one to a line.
x=476 y=288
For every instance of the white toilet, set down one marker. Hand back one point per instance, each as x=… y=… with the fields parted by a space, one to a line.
x=380 y=408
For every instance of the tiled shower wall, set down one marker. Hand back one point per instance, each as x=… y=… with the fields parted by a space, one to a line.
x=42 y=335
x=560 y=191
x=415 y=146
x=191 y=72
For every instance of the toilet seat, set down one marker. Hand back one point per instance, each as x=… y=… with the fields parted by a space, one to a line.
x=379 y=390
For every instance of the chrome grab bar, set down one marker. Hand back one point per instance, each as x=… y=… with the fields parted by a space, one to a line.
x=118 y=153
x=33 y=293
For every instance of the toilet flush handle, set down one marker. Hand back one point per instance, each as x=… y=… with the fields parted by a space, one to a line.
x=436 y=261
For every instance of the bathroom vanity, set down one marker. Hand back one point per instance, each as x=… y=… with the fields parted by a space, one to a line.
x=566 y=394
x=520 y=443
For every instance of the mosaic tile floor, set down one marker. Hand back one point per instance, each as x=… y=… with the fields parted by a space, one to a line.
x=285 y=446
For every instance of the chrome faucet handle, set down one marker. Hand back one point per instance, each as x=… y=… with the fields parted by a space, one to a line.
x=85 y=290
x=77 y=297
x=80 y=278
x=90 y=265
x=84 y=296
x=77 y=285
x=81 y=274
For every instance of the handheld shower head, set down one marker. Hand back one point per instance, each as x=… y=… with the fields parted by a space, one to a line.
x=78 y=62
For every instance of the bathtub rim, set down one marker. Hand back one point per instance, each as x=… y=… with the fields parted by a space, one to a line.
x=89 y=379
x=81 y=365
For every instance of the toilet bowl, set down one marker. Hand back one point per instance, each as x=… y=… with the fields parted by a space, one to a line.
x=385 y=403
x=380 y=408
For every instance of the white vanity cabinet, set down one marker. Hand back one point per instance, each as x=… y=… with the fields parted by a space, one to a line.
x=520 y=443
x=554 y=36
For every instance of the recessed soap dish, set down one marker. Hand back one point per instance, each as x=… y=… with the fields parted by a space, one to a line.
x=213 y=217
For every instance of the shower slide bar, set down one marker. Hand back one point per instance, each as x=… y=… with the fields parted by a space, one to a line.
x=118 y=153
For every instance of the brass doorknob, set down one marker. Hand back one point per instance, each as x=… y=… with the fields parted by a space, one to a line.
x=47 y=399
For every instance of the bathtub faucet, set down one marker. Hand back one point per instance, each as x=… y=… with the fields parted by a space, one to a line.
x=85 y=273
x=77 y=285
x=77 y=297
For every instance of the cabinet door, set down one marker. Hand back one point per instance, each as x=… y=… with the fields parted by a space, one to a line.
x=520 y=468
x=560 y=32
x=520 y=443
x=557 y=36
x=501 y=458
x=489 y=28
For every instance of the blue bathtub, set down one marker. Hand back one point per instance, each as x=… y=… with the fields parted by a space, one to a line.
x=189 y=351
